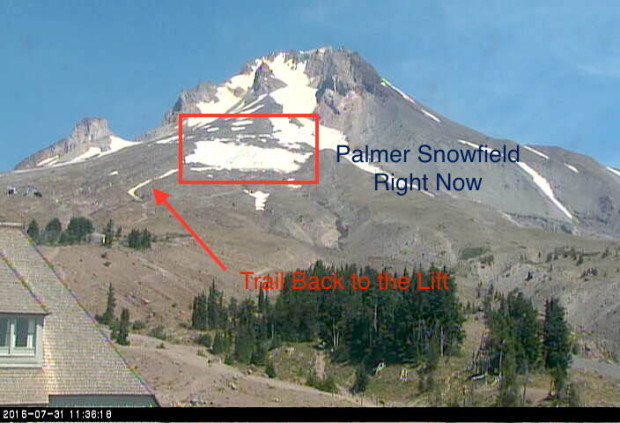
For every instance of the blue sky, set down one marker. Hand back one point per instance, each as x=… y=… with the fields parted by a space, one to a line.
x=532 y=71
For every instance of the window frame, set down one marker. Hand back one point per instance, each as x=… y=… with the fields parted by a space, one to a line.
x=30 y=355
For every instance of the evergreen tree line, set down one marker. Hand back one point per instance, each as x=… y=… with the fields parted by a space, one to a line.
x=119 y=327
x=519 y=342
x=79 y=229
x=358 y=326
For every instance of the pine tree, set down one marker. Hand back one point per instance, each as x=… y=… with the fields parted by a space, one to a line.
x=123 y=329
x=526 y=331
x=244 y=344
x=145 y=239
x=213 y=309
x=52 y=232
x=261 y=300
x=556 y=344
x=508 y=389
x=259 y=356
x=78 y=229
x=133 y=239
x=33 y=231
x=221 y=344
x=108 y=316
x=199 y=313
x=108 y=232
x=139 y=239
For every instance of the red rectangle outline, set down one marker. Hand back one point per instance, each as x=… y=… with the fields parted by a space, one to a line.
x=314 y=181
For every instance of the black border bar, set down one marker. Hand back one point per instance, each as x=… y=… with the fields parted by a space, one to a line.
x=296 y=414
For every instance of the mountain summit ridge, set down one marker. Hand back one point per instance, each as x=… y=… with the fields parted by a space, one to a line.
x=358 y=107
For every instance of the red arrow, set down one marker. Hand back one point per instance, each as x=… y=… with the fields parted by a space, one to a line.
x=162 y=198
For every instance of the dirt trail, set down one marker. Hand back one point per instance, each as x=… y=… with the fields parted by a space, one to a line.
x=180 y=376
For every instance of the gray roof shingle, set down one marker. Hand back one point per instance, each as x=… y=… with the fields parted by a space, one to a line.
x=15 y=295
x=78 y=358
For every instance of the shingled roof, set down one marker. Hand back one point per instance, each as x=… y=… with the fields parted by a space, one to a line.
x=78 y=359
x=15 y=295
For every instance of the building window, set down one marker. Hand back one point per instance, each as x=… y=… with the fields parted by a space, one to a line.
x=18 y=335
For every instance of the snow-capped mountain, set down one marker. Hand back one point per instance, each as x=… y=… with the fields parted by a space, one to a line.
x=573 y=198
x=90 y=138
x=548 y=187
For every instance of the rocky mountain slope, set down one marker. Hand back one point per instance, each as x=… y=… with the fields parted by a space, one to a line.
x=552 y=199
x=90 y=138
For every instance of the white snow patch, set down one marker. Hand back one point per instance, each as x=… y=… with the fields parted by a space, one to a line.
x=298 y=96
x=612 y=170
x=242 y=122
x=226 y=98
x=213 y=129
x=117 y=143
x=243 y=108
x=543 y=155
x=230 y=155
x=253 y=109
x=539 y=180
x=545 y=187
x=470 y=144
x=387 y=83
x=430 y=115
x=509 y=218
x=49 y=160
x=293 y=186
x=92 y=152
x=571 y=167
x=237 y=128
x=260 y=198
x=113 y=173
x=167 y=140
x=290 y=134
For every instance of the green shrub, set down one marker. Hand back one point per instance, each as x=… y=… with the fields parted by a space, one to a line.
x=472 y=252
x=204 y=339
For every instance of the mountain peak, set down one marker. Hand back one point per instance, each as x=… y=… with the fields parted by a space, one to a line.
x=89 y=129
x=327 y=68
x=90 y=136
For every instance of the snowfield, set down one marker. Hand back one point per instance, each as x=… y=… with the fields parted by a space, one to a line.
x=298 y=96
x=92 y=152
x=48 y=161
x=545 y=187
x=230 y=155
x=542 y=184
x=116 y=144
